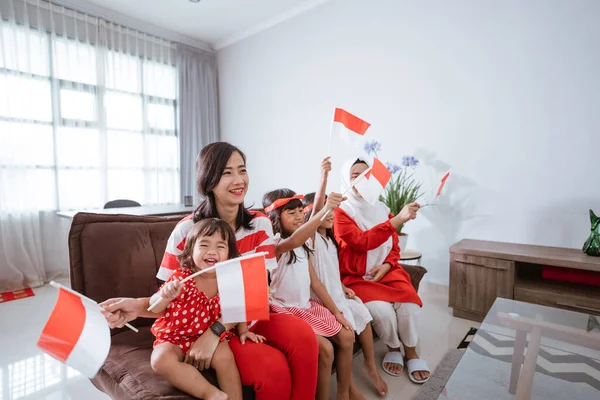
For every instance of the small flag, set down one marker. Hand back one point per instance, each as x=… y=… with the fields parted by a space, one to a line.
x=244 y=289
x=349 y=127
x=442 y=183
x=376 y=179
x=76 y=333
x=17 y=294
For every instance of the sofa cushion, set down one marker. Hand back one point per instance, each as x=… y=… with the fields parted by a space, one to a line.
x=117 y=255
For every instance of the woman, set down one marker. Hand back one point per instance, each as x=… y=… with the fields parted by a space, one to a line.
x=285 y=367
x=369 y=255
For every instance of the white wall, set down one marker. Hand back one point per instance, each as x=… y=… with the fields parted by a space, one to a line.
x=507 y=93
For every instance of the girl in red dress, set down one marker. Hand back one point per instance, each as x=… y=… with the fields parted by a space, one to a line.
x=293 y=280
x=189 y=309
x=369 y=255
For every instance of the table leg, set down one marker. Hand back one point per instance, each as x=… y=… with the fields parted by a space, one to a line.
x=517 y=360
x=528 y=373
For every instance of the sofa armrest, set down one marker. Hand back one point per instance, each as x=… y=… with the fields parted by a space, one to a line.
x=416 y=273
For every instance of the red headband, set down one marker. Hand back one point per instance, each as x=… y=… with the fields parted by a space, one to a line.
x=282 y=202
x=308 y=208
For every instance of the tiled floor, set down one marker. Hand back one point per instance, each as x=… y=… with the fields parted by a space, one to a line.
x=27 y=373
x=438 y=330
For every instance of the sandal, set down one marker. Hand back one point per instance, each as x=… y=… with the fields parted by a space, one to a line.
x=394 y=357
x=417 y=365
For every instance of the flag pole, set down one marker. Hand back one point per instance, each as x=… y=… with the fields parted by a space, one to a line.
x=209 y=269
x=331 y=133
x=59 y=286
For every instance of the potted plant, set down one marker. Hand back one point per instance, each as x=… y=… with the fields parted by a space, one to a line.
x=402 y=189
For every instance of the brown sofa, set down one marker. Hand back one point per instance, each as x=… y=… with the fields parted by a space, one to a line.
x=118 y=256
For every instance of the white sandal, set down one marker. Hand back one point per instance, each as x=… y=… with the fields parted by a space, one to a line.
x=394 y=357
x=417 y=365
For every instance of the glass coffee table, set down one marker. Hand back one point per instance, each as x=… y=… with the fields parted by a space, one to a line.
x=526 y=351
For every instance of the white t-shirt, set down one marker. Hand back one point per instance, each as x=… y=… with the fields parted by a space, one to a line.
x=290 y=283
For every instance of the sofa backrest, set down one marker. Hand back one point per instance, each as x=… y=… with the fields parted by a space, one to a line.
x=117 y=255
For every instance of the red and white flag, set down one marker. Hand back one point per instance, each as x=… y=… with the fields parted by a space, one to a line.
x=349 y=127
x=76 y=333
x=375 y=180
x=435 y=191
x=243 y=289
x=440 y=187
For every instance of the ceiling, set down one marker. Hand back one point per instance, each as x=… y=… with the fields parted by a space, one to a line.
x=216 y=22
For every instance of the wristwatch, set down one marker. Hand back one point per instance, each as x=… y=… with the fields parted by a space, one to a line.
x=218 y=329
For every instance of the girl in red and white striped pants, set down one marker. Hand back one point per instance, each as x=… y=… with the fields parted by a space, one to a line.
x=292 y=281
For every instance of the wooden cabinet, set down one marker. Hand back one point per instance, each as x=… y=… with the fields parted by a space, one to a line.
x=480 y=271
x=477 y=281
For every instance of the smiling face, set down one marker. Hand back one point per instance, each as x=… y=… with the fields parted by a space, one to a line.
x=210 y=250
x=292 y=219
x=327 y=222
x=233 y=185
x=211 y=240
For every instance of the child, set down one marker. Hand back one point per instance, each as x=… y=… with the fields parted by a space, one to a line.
x=190 y=309
x=327 y=268
x=293 y=280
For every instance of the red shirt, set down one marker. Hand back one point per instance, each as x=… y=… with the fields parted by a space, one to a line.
x=395 y=286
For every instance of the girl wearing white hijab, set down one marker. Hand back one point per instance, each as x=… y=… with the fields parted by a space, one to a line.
x=369 y=255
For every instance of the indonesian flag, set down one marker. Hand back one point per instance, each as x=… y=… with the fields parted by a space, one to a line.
x=76 y=333
x=243 y=289
x=373 y=182
x=442 y=183
x=349 y=127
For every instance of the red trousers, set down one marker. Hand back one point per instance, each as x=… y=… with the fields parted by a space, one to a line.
x=286 y=365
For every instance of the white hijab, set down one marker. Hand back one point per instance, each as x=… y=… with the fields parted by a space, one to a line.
x=365 y=215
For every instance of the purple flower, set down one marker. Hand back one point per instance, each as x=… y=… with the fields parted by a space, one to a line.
x=393 y=168
x=372 y=147
x=409 y=161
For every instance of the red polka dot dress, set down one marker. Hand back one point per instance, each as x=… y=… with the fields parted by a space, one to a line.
x=187 y=317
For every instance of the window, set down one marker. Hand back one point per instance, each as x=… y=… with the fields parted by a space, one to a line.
x=88 y=124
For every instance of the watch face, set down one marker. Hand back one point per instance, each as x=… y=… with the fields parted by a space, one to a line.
x=217 y=328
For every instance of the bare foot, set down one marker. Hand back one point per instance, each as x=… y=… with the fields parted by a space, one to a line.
x=380 y=385
x=355 y=394
x=217 y=395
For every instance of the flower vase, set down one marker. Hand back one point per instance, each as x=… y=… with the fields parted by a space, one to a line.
x=402 y=241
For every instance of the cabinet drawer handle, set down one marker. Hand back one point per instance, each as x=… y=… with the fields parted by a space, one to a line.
x=501 y=268
x=596 y=310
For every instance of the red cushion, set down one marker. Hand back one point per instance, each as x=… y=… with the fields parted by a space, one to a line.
x=571 y=275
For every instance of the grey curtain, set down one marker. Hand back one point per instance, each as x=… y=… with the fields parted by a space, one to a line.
x=198 y=111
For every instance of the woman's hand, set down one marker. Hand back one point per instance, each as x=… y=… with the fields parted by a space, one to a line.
x=120 y=310
x=340 y=318
x=171 y=290
x=349 y=292
x=247 y=335
x=378 y=272
x=201 y=353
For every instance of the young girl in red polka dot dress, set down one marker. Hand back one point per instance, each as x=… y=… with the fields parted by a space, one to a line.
x=191 y=308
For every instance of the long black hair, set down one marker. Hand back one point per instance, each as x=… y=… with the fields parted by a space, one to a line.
x=210 y=165
x=275 y=216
